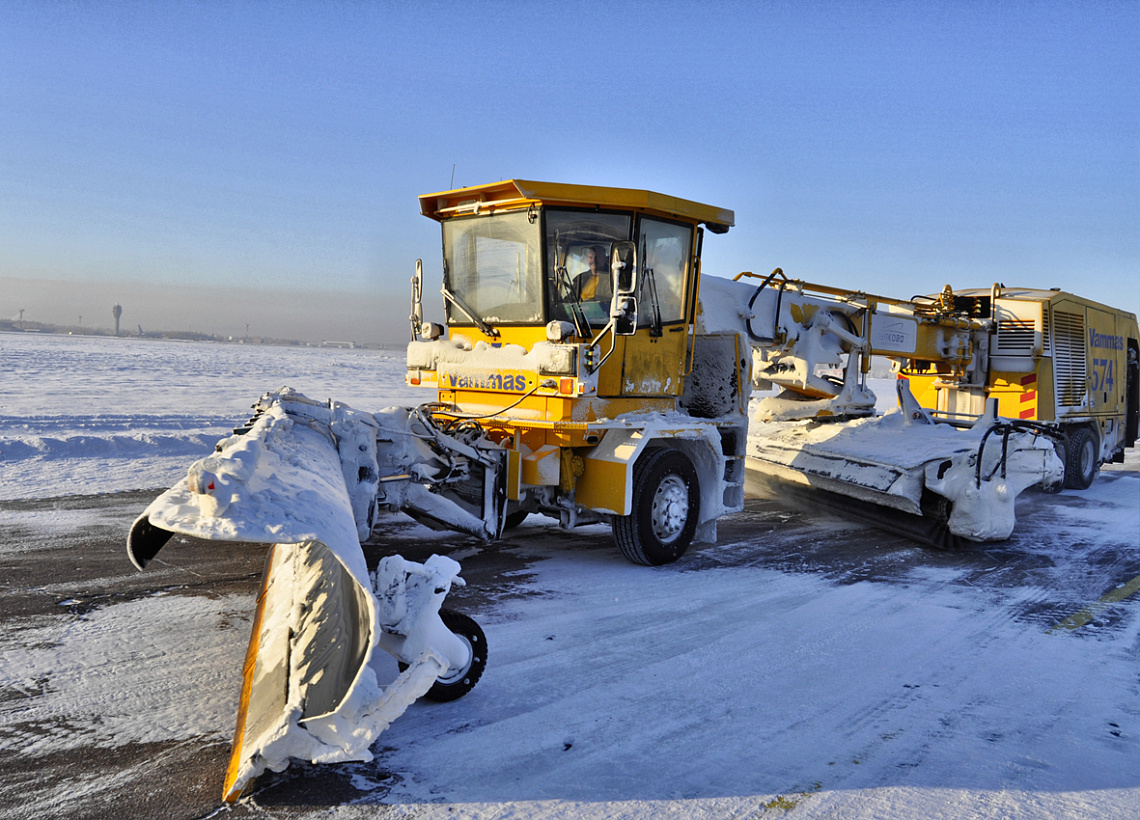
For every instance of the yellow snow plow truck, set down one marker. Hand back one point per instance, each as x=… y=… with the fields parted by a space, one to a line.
x=587 y=372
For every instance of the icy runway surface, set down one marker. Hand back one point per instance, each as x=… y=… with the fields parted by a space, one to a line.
x=804 y=665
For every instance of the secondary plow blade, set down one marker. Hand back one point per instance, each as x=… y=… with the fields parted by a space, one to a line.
x=902 y=463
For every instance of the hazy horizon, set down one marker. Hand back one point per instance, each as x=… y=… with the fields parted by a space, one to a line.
x=280 y=313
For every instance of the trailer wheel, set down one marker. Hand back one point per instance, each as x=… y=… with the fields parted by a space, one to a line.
x=1080 y=459
x=666 y=504
x=457 y=683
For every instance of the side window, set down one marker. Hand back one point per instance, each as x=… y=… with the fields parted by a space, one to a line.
x=665 y=269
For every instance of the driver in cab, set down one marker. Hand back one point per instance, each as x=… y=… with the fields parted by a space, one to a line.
x=594 y=285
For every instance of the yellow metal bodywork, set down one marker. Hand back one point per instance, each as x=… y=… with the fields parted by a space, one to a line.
x=646 y=366
x=605 y=483
x=1020 y=396
x=520 y=194
x=1053 y=357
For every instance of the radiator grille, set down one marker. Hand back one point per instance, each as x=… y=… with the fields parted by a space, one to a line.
x=1015 y=337
x=1069 y=357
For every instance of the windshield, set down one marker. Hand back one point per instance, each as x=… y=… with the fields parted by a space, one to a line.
x=492 y=268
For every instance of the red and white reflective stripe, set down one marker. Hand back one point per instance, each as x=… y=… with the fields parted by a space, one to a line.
x=1028 y=399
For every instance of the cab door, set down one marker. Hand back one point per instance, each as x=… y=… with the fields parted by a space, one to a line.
x=653 y=359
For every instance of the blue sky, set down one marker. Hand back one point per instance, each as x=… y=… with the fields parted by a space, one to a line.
x=209 y=165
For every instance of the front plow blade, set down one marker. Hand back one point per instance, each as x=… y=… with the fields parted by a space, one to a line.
x=303 y=477
x=308 y=691
x=282 y=481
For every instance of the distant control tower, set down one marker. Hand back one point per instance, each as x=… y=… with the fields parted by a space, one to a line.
x=117 y=311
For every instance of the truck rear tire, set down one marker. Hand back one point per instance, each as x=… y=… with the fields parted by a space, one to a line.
x=1080 y=459
x=666 y=506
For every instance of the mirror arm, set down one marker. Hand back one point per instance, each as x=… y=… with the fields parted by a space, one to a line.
x=417 y=316
x=609 y=328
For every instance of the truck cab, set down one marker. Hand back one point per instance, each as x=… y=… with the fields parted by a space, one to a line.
x=519 y=256
x=569 y=308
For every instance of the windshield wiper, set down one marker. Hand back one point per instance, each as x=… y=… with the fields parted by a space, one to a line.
x=651 y=286
x=455 y=300
x=562 y=282
x=572 y=304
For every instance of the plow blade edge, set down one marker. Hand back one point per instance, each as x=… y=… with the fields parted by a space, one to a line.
x=308 y=691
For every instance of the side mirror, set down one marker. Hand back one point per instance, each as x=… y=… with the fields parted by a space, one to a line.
x=623 y=307
x=417 y=316
x=623 y=264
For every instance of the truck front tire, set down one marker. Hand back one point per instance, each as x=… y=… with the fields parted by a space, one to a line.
x=666 y=506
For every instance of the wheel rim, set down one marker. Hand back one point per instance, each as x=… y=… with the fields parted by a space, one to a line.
x=670 y=509
x=454 y=676
x=1087 y=457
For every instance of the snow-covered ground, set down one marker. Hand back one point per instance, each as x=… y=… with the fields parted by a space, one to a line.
x=85 y=414
x=744 y=681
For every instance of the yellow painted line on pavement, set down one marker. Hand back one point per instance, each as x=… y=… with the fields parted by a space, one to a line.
x=1091 y=611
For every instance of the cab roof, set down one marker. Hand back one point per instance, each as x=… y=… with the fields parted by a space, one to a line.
x=517 y=194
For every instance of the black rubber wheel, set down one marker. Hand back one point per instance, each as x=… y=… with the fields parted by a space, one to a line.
x=1080 y=459
x=514 y=519
x=666 y=506
x=457 y=683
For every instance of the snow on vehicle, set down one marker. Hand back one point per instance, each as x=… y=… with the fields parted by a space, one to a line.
x=584 y=342
x=588 y=373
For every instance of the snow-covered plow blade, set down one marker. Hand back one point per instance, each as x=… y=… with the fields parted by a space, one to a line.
x=964 y=482
x=301 y=469
x=304 y=477
x=312 y=635
x=308 y=690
